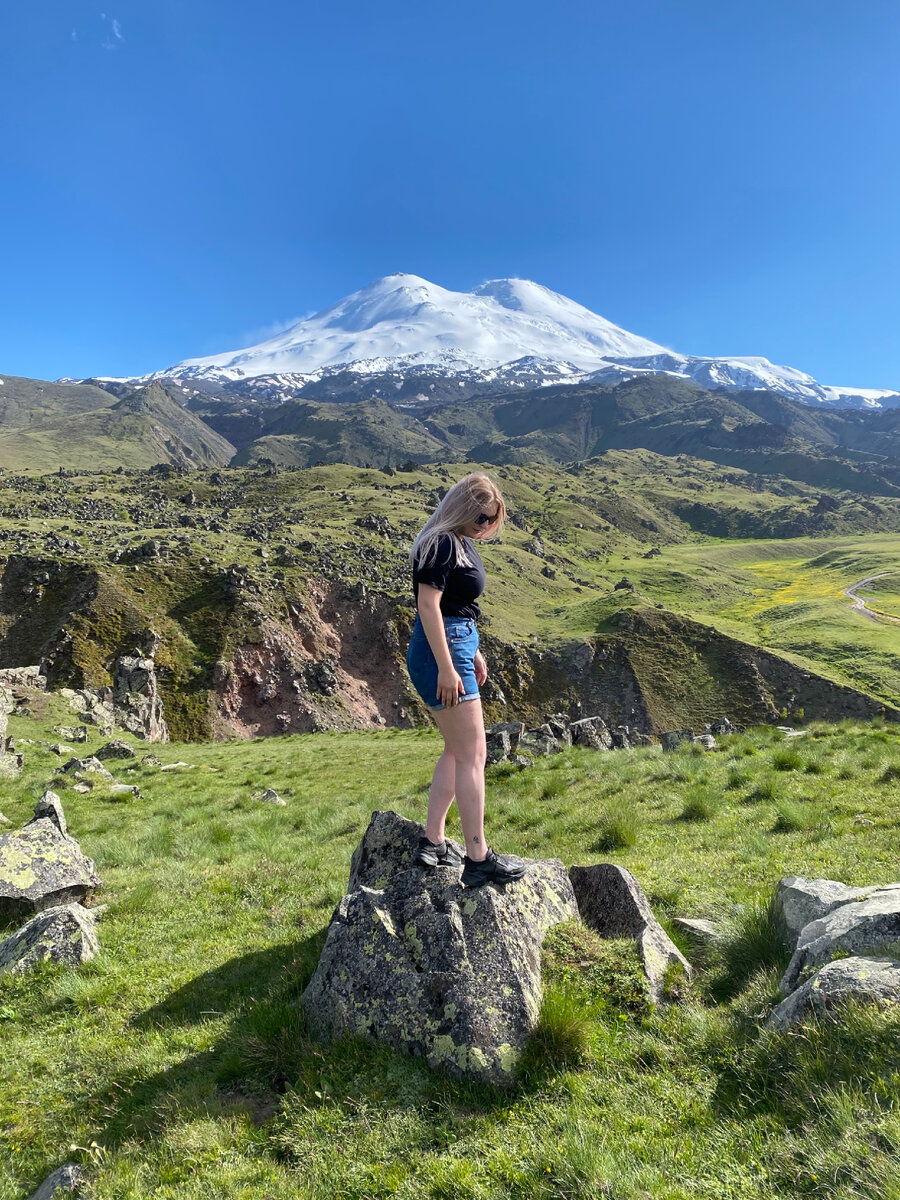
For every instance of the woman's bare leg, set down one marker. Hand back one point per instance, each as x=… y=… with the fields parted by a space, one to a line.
x=462 y=726
x=440 y=796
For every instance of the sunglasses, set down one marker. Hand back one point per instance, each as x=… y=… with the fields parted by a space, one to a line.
x=486 y=518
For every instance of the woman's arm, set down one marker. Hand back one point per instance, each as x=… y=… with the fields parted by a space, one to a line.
x=449 y=684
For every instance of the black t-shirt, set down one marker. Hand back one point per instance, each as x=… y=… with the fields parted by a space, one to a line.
x=461 y=586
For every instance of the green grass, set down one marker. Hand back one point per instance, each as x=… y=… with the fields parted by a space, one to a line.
x=179 y=1064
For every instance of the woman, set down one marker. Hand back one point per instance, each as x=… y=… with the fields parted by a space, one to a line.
x=447 y=669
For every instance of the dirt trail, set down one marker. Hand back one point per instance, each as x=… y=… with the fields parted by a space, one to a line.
x=860 y=606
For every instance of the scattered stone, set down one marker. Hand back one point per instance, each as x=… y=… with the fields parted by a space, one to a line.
x=799 y=901
x=620 y=740
x=41 y=868
x=591 y=732
x=82 y=787
x=706 y=740
x=11 y=764
x=534 y=741
x=75 y=766
x=722 y=725
x=874 y=979
x=176 y=766
x=30 y=677
x=675 y=738
x=624 y=585
x=558 y=727
x=862 y=819
x=71 y=733
x=499 y=746
x=870 y=926
x=700 y=929
x=60 y=749
x=50 y=806
x=67 y=1178
x=270 y=796
x=115 y=749
x=150 y=760
x=418 y=962
x=612 y=901
x=61 y=934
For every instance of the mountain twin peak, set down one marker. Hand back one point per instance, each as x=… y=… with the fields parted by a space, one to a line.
x=507 y=328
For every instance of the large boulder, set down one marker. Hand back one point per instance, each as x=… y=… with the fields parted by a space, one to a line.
x=63 y=934
x=875 y=980
x=798 y=901
x=136 y=700
x=869 y=927
x=50 y=806
x=67 y=1178
x=612 y=901
x=415 y=960
x=591 y=732
x=40 y=867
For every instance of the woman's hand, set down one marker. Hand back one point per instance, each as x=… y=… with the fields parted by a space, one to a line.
x=481 y=671
x=449 y=687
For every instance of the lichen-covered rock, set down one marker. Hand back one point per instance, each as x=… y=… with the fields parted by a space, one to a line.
x=71 y=733
x=40 y=868
x=67 y=1178
x=498 y=746
x=702 y=930
x=415 y=960
x=136 y=700
x=78 y=766
x=869 y=927
x=63 y=934
x=115 y=749
x=11 y=763
x=876 y=980
x=612 y=901
x=798 y=901
x=269 y=796
x=50 y=806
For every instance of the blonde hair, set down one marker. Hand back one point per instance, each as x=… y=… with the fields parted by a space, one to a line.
x=462 y=505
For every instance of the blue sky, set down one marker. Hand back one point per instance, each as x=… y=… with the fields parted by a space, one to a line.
x=177 y=177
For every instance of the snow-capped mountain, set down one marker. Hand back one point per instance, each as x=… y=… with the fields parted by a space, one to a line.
x=505 y=333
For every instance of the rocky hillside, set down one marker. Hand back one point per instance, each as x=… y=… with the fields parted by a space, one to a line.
x=279 y=602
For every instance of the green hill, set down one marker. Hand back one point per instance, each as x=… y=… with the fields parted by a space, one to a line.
x=144 y=428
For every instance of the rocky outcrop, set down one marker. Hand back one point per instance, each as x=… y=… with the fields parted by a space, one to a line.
x=40 y=867
x=799 y=901
x=418 y=962
x=136 y=700
x=63 y=934
x=11 y=763
x=612 y=902
x=873 y=980
x=866 y=927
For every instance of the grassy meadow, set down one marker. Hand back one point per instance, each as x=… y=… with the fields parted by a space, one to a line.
x=176 y=1065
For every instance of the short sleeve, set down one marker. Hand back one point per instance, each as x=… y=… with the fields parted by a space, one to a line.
x=440 y=564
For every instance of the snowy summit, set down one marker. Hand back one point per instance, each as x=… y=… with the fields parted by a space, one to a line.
x=511 y=330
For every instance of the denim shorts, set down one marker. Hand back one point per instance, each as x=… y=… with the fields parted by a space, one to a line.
x=462 y=640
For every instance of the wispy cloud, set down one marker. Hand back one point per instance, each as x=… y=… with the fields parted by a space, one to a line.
x=109 y=43
x=74 y=35
x=252 y=337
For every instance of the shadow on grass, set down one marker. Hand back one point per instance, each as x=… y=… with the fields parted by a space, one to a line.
x=268 y=1051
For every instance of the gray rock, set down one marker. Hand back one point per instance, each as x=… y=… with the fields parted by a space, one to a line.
x=706 y=740
x=418 y=962
x=61 y=934
x=675 y=738
x=536 y=742
x=866 y=927
x=798 y=901
x=612 y=901
x=558 y=727
x=23 y=677
x=120 y=790
x=71 y=733
x=499 y=746
x=7 y=704
x=60 y=748
x=513 y=730
x=67 y=1178
x=11 y=764
x=591 y=732
x=620 y=740
x=150 y=760
x=873 y=979
x=78 y=766
x=40 y=868
x=700 y=929
x=115 y=749
x=136 y=700
x=50 y=806
x=270 y=796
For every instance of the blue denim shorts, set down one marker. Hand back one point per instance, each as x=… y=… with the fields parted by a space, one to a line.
x=462 y=640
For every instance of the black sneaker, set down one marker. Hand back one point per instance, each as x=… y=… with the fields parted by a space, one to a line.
x=430 y=855
x=492 y=869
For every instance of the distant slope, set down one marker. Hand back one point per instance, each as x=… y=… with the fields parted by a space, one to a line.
x=141 y=430
x=28 y=402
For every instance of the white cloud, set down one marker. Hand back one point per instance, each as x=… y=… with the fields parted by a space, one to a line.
x=74 y=35
x=117 y=30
